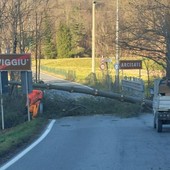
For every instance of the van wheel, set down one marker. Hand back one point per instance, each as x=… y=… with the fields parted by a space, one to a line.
x=159 y=126
x=154 y=121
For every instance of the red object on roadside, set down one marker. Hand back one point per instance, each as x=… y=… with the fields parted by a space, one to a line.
x=35 y=98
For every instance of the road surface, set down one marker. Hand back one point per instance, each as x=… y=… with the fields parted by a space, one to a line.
x=100 y=142
x=55 y=80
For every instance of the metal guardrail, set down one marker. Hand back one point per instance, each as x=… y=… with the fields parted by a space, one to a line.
x=133 y=87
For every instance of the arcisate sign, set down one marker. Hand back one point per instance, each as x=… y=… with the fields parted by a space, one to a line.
x=130 y=64
x=15 y=62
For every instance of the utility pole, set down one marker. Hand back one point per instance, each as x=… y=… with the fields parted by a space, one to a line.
x=93 y=36
x=36 y=47
x=117 y=46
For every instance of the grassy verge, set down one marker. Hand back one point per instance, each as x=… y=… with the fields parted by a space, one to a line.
x=79 y=70
x=12 y=140
x=82 y=68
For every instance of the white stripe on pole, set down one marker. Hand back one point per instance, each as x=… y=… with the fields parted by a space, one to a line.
x=117 y=44
x=2 y=107
x=93 y=37
x=28 y=104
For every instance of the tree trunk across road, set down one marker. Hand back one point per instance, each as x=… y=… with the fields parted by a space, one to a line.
x=52 y=82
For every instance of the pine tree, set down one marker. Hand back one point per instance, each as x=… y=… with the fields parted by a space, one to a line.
x=63 y=41
x=78 y=32
x=49 y=47
x=77 y=41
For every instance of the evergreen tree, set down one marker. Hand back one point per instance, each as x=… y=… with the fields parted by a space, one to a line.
x=63 y=41
x=49 y=47
x=78 y=32
x=77 y=41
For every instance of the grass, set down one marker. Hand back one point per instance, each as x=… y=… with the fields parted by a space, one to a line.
x=82 y=68
x=14 y=138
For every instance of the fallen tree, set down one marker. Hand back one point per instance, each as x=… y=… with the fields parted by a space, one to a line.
x=91 y=91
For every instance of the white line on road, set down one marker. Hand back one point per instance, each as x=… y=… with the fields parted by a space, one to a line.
x=19 y=156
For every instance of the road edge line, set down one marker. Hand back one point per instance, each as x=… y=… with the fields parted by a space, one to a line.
x=19 y=156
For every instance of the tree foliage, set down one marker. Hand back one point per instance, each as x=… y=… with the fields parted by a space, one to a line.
x=63 y=41
x=77 y=38
x=49 y=46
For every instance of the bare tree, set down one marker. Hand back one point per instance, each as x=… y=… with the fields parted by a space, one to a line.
x=21 y=25
x=2 y=20
x=105 y=34
x=148 y=34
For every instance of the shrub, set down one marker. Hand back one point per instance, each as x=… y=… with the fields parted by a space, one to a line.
x=14 y=110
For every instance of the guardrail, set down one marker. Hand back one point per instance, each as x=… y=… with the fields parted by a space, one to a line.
x=133 y=87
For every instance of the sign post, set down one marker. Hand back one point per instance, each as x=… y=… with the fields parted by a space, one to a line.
x=26 y=81
x=2 y=107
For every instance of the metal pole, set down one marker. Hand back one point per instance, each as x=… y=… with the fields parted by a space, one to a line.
x=28 y=110
x=36 y=48
x=93 y=37
x=39 y=64
x=2 y=107
x=117 y=45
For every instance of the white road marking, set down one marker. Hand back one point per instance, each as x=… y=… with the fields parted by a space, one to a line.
x=19 y=156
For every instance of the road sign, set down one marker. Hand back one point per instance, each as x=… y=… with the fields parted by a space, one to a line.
x=102 y=66
x=15 y=62
x=130 y=64
x=116 y=66
x=108 y=60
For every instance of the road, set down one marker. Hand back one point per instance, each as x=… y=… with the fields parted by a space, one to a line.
x=100 y=142
x=50 y=79
x=54 y=80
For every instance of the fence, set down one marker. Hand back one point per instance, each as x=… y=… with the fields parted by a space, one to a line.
x=68 y=74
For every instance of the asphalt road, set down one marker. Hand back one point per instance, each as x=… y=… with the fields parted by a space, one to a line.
x=55 y=80
x=100 y=142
